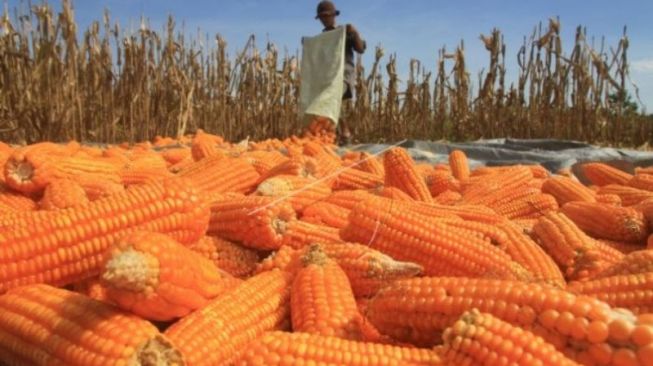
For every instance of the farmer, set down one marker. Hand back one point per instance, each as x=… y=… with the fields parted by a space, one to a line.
x=326 y=13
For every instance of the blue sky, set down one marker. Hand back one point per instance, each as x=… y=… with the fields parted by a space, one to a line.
x=409 y=28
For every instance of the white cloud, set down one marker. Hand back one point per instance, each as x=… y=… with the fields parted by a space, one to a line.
x=643 y=65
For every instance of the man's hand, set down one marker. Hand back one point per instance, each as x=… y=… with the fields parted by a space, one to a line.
x=351 y=29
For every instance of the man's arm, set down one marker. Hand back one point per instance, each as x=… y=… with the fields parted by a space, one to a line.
x=359 y=43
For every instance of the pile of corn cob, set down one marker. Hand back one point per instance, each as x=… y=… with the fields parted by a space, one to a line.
x=196 y=251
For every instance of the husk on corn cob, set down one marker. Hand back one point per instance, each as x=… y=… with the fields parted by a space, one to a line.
x=61 y=247
x=44 y=325
x=220 y=331
x=157 y=278
x=300 y=192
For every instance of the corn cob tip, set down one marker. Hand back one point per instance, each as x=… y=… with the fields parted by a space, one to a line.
x=156 y=352
x=314 y=255
x=385 y=267
x=132 y=270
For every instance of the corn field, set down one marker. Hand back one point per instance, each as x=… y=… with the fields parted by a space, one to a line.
x=108 y=85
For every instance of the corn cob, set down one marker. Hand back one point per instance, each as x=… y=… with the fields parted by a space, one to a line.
x=601 y=174
x=370 y=164
x=302 y=166
x=623 y=247
x=609 y=199
x=567 y=190
x=62 y=247
x=61 y=194
x=498 y=186
x=11 y=201
x=321 y=299
x=629 y=291
x=204 y=145
x=482 y=339
x=96 y=187
x=395 y=193
x=229 y=257
x=327 y=214
x=284 y=348
x=576 y=253
x=608 y=222
x=424 y=170
x=298 y=234
x=629 y=196
x=325 y=158
x=220 y=331
x=523 y=250
x=448 y=198
x=649 y=242
x=219 y=174
x=34 y=172
x=44 y=325
x=256 y=222
x=367 y=269
x=537 y=183
x=459 y=164
x=300 y=192
x=647 y=170
x=156 y=278
x=349 y=178
x=642 y=181
x=417 y=310
x=143 y=175
x=401 y=173
x=93 y=288
x=637 y=262
x=439 y=182
x=406 y=235
x=531 y=207
x=348 y=199
x=175 y=155
x=264 y=161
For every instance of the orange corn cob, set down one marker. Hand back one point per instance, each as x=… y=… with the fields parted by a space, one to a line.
x=576 y=253
x=439 y=182
x=448 y=198
x=62 y=247
x=327 y=214
x=44 y=325
x=636 y=262
x=609 y=199
x=300 y=192
x=601 y=174
x=97 y=187
x=11 y=201
x=156 y=278
x=367 y=269
x=642 y=181
x=61 y=194
x=229 y=257
x=264 y=161
x=482 y=339
x=459 y=164
x=416 y=310
x=646 y=170
x=93 y=288
x=395 y=193
x=302 y=166
x=567 y=190
x=371 y=164
x=256 y=222
x=523 y=250
x=629 y=196
x=176 y=154
x=220 y=331
x=628 y=291
x=608 y=222
x=497 y=187
x=530 y=207
x=401 y=173
x=349 y=178
x=321 y=298
x=649 y=242
x=143 y=175
x=284 y=348
x=424 y=169
x=406 y=235
x=623 y=247
x=328 y=161
x=204 y=146
x=298 y=234
x=219 y=174
x=348 y=199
